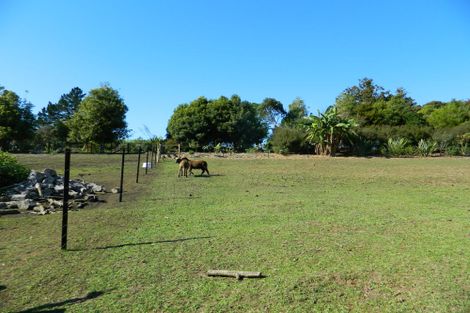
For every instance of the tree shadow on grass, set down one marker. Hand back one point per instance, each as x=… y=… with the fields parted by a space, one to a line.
x=49 y=307
x=141 y=243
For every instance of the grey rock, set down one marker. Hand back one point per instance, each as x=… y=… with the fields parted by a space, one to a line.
x=76 y=186
x=48 y=185
x=18 y=197
x=91 y=198
x=49 y=180
x=49 y=172
x=115 y=190
x=95 y=188
x=55 y=203
x=81 y=205
x=31 y=194
x=9 y=211
x=12 y=204
x=35 y=177
x=26 y=204
x=39 y=209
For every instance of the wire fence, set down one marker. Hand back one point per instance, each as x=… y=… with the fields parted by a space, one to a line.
x=77 y=178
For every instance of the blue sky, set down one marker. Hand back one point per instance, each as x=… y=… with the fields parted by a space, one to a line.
x=159 y=54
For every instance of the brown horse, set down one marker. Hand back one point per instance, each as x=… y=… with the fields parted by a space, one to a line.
x=196 y=164
x=183 y=168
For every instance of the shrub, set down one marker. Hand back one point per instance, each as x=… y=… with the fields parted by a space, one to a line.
x=453 y=150
x=253 y=150
x=11 y=171
x=290 y=140
x=218 y=148
x=397 y=147
x=426 y=147
x=465 y=149
x=381 y=133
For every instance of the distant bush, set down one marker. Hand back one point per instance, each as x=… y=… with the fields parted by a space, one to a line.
x=381 y=133
x=452 y=150
x=465 y=149
x=397 y=147
x=426 y=147
x=290 y=140
x=11 y=171
x=252 y=150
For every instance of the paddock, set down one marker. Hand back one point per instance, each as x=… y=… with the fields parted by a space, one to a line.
x=329 y=234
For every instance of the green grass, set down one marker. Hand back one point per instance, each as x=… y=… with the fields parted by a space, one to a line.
x=331 y=235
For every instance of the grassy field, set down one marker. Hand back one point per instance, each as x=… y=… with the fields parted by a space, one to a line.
x=330 y=234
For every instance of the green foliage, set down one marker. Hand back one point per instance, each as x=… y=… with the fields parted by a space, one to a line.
x=296 y=114
x=290 y=140
x=271 y=112
x=448 y=115
x=100 y=118
x=451 y=136
x=380 y=133
x=397 y=147
x=227 y=121
x=11 y=171
x=17 y=121
x=453 y=150
x=370 y=105
x=218 y=148
x=465 y=149
x=426 y=147
x=327 y=130
x=53 y=131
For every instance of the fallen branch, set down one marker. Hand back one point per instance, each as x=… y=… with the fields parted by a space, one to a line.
x=237 y=274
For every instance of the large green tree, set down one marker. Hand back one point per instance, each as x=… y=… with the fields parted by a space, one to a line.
x=17 y=122
x=53 y=131
x=447 y=115
x=228 y=121
x=272 y=112
x=450 y=122
x=296 y=113
x=382 y=114
x=100 y=118
x=370 y=104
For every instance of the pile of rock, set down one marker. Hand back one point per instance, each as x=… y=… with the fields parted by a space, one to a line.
x=43 y=192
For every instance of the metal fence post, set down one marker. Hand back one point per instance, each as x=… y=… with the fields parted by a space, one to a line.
x=155 y=156
x=122 y=173
x=147 y=162
x=138 y=166
x=65 y=204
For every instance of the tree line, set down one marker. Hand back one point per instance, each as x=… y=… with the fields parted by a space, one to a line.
x=93 y=119
x=366 y=119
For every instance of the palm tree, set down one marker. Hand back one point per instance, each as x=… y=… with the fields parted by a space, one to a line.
x=327 y=130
